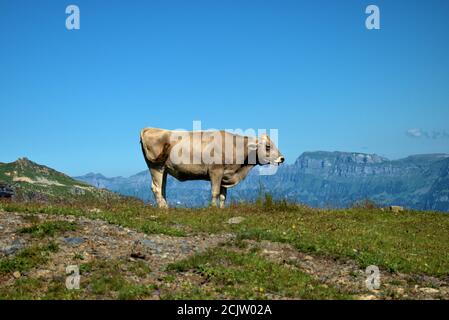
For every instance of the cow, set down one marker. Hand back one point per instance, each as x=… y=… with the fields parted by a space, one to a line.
x=221 y=157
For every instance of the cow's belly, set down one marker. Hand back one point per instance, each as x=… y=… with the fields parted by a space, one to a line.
x=185 y=172
x=233 y=175
x=230 y=180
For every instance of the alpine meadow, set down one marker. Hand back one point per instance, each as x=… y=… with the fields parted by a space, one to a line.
x=232 y=158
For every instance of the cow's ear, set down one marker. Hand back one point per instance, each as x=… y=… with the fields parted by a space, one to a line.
x=252 y=146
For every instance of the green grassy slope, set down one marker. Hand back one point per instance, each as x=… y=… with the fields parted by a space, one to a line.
x=35 y=182
x=409 y=241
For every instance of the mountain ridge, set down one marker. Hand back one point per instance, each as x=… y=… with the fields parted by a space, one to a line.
x=319 y=179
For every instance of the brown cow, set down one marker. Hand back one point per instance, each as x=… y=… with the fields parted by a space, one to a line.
x=220 y=157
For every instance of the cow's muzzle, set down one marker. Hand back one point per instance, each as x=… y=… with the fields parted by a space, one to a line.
x=279 y=160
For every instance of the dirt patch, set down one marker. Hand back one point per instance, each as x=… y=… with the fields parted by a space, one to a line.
x=39 y=180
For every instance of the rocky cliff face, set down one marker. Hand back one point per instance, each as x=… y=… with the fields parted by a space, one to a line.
x=438 y=196
x=321 y=179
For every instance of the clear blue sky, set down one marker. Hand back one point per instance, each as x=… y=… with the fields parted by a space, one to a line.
x=76 y=100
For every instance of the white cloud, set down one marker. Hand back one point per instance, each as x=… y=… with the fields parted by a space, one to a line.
x=414 y=133
x=419 y=133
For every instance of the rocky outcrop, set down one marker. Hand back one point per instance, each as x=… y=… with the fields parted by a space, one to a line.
x=6 y=191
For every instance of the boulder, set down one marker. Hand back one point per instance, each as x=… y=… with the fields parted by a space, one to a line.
x=396 y=209
x=76 y=241
x=236 y=220
x=429 y=290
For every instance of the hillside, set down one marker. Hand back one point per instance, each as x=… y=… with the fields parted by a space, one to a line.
x=319 y=179
x=34 y=182
x=250 y=251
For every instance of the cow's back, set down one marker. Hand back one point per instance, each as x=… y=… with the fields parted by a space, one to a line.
x=158 y=143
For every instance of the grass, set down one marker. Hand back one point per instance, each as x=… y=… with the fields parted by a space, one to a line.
x=128 y=214
x=31 y=288
x=235 y=275
x=105 y=278
x=409 y=241
x=49 y=228
x=28 y=258
x=99 y=279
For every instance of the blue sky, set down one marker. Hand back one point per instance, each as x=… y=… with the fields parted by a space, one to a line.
x=76 y=100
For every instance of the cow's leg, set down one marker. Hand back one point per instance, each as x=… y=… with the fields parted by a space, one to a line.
x=158 y=186
x=215 y=182
x=164 y=187
x=223 y=192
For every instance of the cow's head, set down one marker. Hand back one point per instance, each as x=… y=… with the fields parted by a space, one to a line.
x=267 y=153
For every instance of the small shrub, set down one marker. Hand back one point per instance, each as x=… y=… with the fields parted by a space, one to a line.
x=365 y=204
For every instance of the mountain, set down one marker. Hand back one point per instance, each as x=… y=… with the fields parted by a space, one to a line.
x=340 y=179
x=189 y=193
x=34 y=182
x=438 y=196
x=319 y=179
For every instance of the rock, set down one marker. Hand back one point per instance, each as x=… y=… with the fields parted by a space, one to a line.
x=16 y=274
x=270 y=252
x=138 y=255
x=309 y=258
x=399 y=291
x=138 y=250
x=367 y=297
x=152 y=245
x=16 y=245
x=95 y=210
x=6 y=191
x=76 y=191
x=429 y=290
x=396 y=209
x=185 y=248
x=42 y=273
x=236 y=220
x=73 y=241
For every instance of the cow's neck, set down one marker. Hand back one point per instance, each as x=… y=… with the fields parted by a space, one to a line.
x=250 y=157
x=245 y=169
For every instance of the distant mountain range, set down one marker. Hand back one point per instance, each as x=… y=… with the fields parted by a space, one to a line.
x=319 y=179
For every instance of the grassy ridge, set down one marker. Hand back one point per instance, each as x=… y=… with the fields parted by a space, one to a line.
x=35 y=182
x=410 y=241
